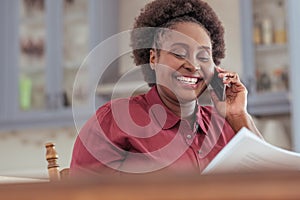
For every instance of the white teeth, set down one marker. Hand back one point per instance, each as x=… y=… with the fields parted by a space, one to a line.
x=187 y=80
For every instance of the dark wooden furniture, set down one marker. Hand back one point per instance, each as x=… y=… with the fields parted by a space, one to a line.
x=281 y=185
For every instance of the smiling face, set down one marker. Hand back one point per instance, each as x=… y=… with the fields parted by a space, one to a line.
x=184 y=64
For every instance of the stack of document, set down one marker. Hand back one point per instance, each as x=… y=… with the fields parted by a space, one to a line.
x=246 y=152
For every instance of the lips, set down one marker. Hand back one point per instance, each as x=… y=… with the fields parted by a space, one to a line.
x=188 y=80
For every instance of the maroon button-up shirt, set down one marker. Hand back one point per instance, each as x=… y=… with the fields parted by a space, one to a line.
x=140 y=134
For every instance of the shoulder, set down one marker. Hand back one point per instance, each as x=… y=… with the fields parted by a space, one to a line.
x=115 y=119
x=121 y=103
x=123 y=109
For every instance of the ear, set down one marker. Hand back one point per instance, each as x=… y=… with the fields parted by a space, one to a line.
x=152 y=58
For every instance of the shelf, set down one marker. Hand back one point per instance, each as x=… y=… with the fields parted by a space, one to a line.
x=122 y=89
x=71 y=18
x=272 y=47
x=72 y=65
x=269 y=103
x=32 y=69
x=55 y=118
x=37 y=21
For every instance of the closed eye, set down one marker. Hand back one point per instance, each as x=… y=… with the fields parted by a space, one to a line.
x=203 y=56
x=179 y=56
x=179 y=52
x=203 y=59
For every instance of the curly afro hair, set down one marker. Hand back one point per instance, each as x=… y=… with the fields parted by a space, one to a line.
x=164 y=13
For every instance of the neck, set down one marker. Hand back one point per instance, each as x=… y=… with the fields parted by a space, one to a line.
x=187 y=109
x=184 y=110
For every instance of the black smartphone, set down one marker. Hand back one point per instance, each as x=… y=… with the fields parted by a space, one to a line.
x=218 y=86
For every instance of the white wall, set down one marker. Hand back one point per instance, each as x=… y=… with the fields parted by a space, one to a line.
x=128 y=11
x=23 y=153
x=228 y=12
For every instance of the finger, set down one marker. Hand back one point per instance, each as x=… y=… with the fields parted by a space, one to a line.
x=220 y=69
x=226 y=75
x=232 y=78
x=231 y=81
x=231 y=75
x=235 y=88
x=231 y=94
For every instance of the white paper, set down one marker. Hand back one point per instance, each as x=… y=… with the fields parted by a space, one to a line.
x=248 y=153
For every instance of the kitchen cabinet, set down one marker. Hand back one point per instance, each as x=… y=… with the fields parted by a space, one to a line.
x=44 y=43
x=270 y=40
x=266 y=50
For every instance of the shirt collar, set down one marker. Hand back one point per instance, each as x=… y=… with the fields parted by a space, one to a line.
x=207 y=116
x=202 y=114
x=201 y=120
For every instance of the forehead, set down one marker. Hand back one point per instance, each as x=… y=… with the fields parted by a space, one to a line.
x=189 y=33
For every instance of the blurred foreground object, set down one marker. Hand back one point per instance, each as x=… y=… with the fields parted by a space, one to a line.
x=226 y=186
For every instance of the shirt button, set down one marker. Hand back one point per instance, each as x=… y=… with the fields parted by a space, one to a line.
x=200 y=151
x=188 y=136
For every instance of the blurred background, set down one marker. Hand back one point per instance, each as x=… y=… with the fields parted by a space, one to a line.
x=44 y=43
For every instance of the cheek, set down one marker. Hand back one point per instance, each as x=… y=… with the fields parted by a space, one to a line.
x=170 y=62
x=208 y=73
x=166 y=67
x=163 y=71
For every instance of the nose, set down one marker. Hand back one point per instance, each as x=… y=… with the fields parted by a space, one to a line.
x=191 y=65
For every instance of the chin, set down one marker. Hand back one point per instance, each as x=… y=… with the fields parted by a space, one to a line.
x=191 y=95
x=185 y=97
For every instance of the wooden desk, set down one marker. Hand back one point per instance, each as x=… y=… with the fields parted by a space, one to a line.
x=229 y=186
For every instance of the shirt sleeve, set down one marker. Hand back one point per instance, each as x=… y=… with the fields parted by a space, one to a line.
x=100 y=146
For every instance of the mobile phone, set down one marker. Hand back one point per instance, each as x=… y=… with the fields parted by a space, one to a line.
x=218 y=86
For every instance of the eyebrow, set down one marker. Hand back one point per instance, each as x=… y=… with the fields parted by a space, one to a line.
x=187 y=46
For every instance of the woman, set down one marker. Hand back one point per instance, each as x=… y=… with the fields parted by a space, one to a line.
x=165 y=130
